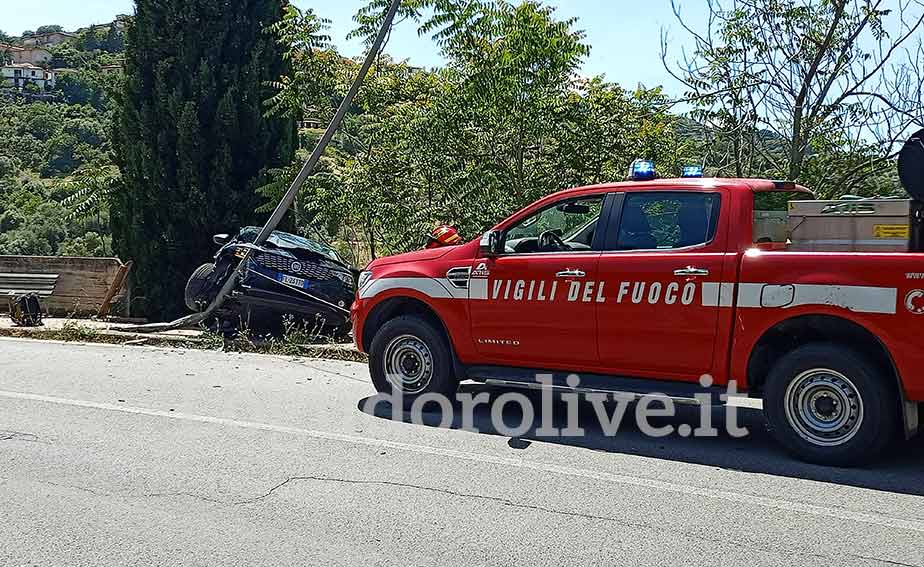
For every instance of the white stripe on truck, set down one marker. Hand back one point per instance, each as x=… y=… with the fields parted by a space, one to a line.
x=861 y=299
x=855 y=298
x=718 y=294
x=428 y=286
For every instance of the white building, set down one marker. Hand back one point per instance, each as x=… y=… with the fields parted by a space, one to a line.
x=18 y=75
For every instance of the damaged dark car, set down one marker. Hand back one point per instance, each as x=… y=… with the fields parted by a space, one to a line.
x=289 y=279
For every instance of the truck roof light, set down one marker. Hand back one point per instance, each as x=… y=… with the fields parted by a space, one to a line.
x=642 y=170
x=692 y=171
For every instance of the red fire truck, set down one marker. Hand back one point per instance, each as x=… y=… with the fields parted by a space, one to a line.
x=648 y=286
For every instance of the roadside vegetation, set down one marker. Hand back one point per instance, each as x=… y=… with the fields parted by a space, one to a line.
x=294 y=341
x=56 y=166
x=151 y=162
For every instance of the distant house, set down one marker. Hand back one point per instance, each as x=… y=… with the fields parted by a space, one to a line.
x=46 y=39
x=110 y=69
x=18 y=75
x=33 y=55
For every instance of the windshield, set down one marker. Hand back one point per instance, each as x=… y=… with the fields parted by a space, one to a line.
x=290 y=241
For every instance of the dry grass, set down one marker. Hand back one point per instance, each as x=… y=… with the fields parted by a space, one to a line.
x=301 y=342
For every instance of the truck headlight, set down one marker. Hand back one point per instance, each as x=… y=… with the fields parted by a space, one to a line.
x=364 y=278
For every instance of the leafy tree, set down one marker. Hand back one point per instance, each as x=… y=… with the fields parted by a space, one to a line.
x=83 y=87
x=89 y=191
x=787 y=83
x=49 y=29
x=89 y=245
x=43 y=126
x=192 y=139
x=505 y=123
x=33 y=232
x=59 y=154
x=309 y=89
x=110 y=39
x=8 y=166
x=115 y=39
x=67 y=56
x=62 y=156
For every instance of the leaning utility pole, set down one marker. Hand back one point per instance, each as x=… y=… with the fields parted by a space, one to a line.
x=283 y=207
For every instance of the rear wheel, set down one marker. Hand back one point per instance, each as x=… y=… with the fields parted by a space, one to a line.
x=830 y=406
x=199 y=282
x=410 y=356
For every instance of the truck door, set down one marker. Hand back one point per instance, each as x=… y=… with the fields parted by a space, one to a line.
x=662 y=267
x=533 y=305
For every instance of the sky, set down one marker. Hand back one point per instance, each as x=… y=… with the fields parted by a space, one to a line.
x=625 y=38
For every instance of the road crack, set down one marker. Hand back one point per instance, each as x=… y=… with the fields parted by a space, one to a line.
x=186 y=494
x=752 y=544
x=92 y=491
x=20 y=436
x=123 y=494
x=496 y=499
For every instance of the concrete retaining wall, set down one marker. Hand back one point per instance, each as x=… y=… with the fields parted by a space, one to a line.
x=82 y=282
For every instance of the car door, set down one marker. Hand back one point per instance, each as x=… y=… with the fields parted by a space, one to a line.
x=533 y=305
x=662 y=265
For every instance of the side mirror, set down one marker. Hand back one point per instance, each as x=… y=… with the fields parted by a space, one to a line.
x=492 y=243
x=221 y=239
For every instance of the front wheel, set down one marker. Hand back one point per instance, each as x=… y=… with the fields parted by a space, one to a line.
x=411 y=357
x=830 y=406
x=197 y=286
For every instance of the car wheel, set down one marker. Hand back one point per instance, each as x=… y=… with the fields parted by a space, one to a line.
x=830 y=406
x=198 y=282
x=409 y=355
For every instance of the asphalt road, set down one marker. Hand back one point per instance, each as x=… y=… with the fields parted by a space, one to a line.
x=142 y=456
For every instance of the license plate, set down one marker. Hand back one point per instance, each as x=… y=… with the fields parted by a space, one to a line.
x=291 y=280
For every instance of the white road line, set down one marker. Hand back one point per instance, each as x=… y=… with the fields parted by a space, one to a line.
x=657 y=485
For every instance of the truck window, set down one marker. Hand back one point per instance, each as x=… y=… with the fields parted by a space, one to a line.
x=566 y=226
x=771 y=216
x=666 y=221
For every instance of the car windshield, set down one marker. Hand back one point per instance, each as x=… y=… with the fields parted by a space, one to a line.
x=290 y=241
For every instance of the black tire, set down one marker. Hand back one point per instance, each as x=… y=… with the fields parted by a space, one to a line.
x=198 y=282
x=389 y=341
x=849 y=410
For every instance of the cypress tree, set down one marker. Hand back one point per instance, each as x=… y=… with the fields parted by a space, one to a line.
x=192 y=138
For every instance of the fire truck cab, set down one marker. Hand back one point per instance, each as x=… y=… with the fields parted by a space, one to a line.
x=651 y=285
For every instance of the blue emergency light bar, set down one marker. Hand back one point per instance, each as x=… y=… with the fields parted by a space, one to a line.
x=692 y=171
x=642 y=170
